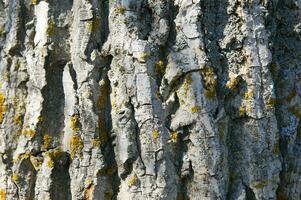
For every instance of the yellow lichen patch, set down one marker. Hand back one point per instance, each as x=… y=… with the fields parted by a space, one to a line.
x=28 y=133
x=18 y=120
x=121 y=9
x=210 y=93
x=15 y=177
x=144 y=56
x=174 y=136
x=74 y=123
x=210 y=81
x=96 y=142
x=187 y=84
x=2 y=194
x=36 y=162
x=271 y=103
x=46 y=141
x=114 y=105
x=76 y=145
x=88 y=182
x=40 y=119
x=195 y=109
x=260 y=184
x=160 y=67
x=242 y=111
x=34 y=2
x=50 y=163
x=56 y=153
x=132 y=180
x=51 y=27
x=155 y=134
x=2 y=107
x=158 y=94
x=248 y=108
x=249 y=94
x=232 y=83
x=26 y=155
x=92 y=26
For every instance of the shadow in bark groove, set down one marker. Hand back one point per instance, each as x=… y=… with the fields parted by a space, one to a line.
x=60 y=188
x=52 y=115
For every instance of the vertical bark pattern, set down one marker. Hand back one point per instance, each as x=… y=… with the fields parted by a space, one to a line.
x=150 y=99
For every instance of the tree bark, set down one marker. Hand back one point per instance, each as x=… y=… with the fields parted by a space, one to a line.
x=150 y=99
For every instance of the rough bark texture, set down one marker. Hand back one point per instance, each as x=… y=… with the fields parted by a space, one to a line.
x=150 y=99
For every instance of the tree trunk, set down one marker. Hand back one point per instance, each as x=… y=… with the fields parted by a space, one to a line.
x=150 y=99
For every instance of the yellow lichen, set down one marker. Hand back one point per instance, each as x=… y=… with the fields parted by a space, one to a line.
x=232 y=83
x=40 y=119
x=2 y=194
x=36 y=162
x=155 y=134
x=210 y=81
x=2 y=107
x=76 y=146
x=187 y=84
x=34 y=2
x=249 y=94
x=93 y=25
x=74 y=123
x=195 y=109
x=15 y=177
x=174 y=136
x=114 y=105
x=210 y=93
x=57 y=152
x=51 y=27
x=260 y=184
x=50 y=163
x=18 y=120
x=271 y=103
x=121 y=9
x=144 y=56
x=248 y=108
x=96 y=142
x=242 y=111
x=158 y=94
x=160 y=67
x=46 y=141
x=25 y=155
x=132 y=180
x=28 y=133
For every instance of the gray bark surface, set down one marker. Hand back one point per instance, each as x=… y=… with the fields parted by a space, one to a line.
x=150 y=99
